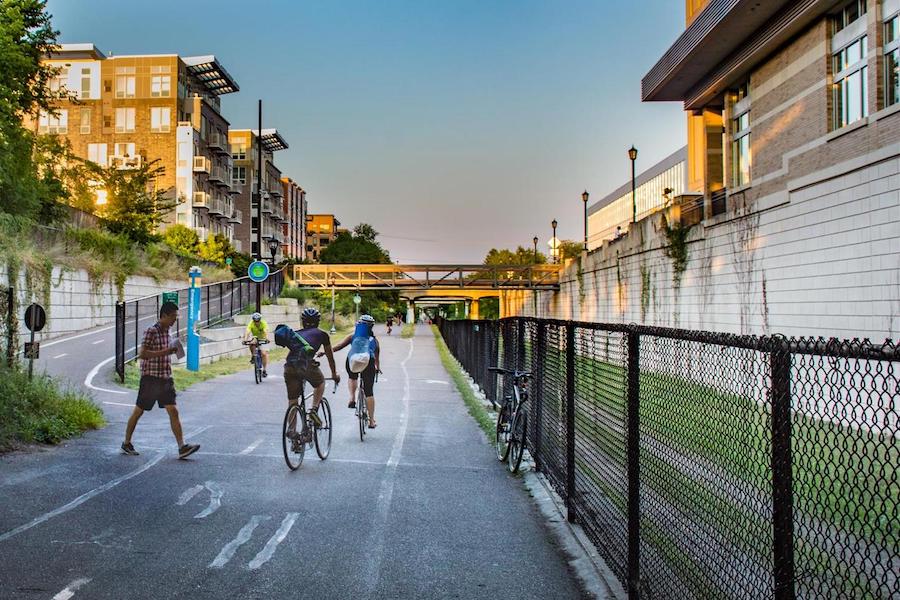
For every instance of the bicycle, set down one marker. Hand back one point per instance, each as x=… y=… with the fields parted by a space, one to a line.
x=257 y=357
x=296 y=444
x=362 y=410
x=510 y=434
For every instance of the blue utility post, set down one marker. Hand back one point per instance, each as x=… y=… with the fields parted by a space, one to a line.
x=193 y=338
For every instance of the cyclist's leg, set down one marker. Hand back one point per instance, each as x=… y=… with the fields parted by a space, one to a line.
x=351 y=383
x=265 y=361
x=252 y=348
x=368 y=383
x=294 y=382
x=317 y=382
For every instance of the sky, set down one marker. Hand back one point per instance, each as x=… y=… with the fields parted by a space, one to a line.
x=451 y=126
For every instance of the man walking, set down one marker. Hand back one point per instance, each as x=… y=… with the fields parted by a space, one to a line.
x=156 y=380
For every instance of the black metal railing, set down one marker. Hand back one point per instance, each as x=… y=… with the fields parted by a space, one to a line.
x=218 y=302
x=707 y=465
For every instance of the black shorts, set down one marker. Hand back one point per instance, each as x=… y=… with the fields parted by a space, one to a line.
x=368 y=376
x=155 y=389
x=295 y=375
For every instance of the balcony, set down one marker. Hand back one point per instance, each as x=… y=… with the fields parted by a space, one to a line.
x=202 y=233
x=219 y=142
x=237 y=217
x=201 y=164
x=216 y=207
x=277 y=191
x=201 y=200
x=268 y=205
x=219 y=175
x=125 y=162
x=718 y=201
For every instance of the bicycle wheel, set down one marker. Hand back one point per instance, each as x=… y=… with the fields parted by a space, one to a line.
x=323 y=433
x=501 y=435
x=362 y=412
x=517 y=440
x=257 y=367
x=293 y=449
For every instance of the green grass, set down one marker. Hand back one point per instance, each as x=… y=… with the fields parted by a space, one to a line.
x=41 y=410
x=408 y=331
x=482 y=416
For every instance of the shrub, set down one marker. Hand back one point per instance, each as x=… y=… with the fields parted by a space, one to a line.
x=181 y=239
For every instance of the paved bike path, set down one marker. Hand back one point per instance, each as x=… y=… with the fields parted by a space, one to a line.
x=422 y=509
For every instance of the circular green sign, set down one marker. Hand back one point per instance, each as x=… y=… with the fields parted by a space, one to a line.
x=258 y=271
x=228 y=261
x=356 y=299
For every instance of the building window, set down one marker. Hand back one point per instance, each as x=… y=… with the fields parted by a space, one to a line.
x=239 y=175
x=125 y=82
x=850 y=13
x=124 y=149
x=85 y=126
x=160 y=119
x=160 y=86
x=58 y=82
x=239 y=151
x=124 y=120
x=50 y=123
x=85 y=84
x=850 y=87
x=97 y=153
x=740 y=150
x=892 y=61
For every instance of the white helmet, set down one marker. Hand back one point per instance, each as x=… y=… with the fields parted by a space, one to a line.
x=256 y=316
x=367 y=319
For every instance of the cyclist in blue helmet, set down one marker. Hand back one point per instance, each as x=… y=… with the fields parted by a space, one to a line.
x=363 y=341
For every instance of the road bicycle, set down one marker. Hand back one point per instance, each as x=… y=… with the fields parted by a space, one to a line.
x=510 y=434
x=362 y=409
x=294 y=443
x=257 y=358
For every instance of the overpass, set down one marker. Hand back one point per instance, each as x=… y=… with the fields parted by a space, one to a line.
x=433 y=282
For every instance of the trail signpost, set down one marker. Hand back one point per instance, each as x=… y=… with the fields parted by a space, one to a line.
x=193 y=337
x=35 y=319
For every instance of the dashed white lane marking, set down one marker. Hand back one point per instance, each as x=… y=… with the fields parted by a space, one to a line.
x=374 y=557
x=60 y=355
x=80 y=499
x=239 y=540
x=97 y=342
x=269 y=550
x=75 y=337
x=215 y=500
x=187 y=494
x=251 y=447
x=117 y=403
x=70 y=589
x=437 y=381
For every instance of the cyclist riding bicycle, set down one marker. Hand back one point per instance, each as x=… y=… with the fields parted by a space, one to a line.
x=300 y=366
x=257 y=329
x=362 y=342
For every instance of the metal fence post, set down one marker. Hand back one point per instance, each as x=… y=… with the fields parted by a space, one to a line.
x=782 y=484
x=537 y=367
x=120 y=340
x=520 y=344
x=633 y=459
x=10 y=329
x=570 y=421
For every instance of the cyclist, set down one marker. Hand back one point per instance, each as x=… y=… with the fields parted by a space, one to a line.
x=363 y=341
x=300 y=365
x=257 y=329
x=389 y=324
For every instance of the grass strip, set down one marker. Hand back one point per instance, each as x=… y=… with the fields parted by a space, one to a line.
x=476 y=408
x=40 y=410
x=408 y=331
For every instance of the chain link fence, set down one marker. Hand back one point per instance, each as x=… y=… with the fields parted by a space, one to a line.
x=708 y=465
x=218 y=302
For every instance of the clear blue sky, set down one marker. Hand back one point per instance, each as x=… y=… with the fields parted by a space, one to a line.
x=451 y=126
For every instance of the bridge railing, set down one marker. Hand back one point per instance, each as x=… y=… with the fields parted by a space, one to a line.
x=707 y=465
x=218 y=302
x=480 y=277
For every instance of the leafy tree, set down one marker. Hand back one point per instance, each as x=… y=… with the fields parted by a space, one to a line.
x=360 y=247
x=521 y=256
x=240 y=262
x=365 y=231
x=215 y=249
x=182 y=239
x=569 y=249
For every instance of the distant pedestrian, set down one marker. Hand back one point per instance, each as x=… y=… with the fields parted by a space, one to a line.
x=156 y=379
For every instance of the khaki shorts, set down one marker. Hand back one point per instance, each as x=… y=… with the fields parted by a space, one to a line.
x=294 y=376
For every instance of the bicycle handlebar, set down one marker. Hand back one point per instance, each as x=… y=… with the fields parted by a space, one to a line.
x=256 y=341
x=514 y=373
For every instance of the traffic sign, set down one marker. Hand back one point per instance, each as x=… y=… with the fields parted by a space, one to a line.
x=258 y=271
x=35 y=317
x=170 y=297
x=228 y=261
x=356 y=299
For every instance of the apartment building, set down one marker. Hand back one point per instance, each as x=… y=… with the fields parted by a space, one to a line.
x=295 y=210
x=321 y=230
x=126 y=111
x=793 y=115
x=245 y=145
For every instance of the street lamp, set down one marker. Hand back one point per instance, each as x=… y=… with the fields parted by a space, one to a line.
x=632 y=154
x=535 y=240
x=273 y=249
x=554 y=244
x=584 y=198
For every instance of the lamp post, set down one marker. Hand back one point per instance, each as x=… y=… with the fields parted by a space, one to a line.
x=273 y=249
x=535 y=240
x=554 y=244
x=632 y=154
x=584 y=199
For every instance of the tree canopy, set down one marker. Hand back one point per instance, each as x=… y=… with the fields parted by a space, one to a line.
x=359 y=247
x=521 y=256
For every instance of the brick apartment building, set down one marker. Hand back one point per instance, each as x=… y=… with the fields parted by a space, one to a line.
x=294 y=227
x=129 y=110
x=321 y=230
x=244 y=154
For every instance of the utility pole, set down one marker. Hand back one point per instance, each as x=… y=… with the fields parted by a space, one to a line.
x=259 y=172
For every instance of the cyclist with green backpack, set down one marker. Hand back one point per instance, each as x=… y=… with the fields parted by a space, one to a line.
x=301 y=365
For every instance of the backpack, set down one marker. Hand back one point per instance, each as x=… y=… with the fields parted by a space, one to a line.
x=290 y=339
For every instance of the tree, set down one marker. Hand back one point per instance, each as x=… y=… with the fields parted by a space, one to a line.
x=520 y=257
x=215 y=249
x=365 y=231
x=360 y=247
x=182 y=239
x=569 y=249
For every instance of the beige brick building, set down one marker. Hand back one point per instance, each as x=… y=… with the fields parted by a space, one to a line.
x=129 y=110
x=295 y=210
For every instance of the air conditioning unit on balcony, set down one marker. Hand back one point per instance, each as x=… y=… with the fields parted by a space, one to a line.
x=125 y=162
x=201 y=200
x=201 y=164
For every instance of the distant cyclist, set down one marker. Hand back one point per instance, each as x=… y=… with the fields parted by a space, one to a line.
x=389 y=324
x=363 y=340
x=300 y=365
x=257 y=329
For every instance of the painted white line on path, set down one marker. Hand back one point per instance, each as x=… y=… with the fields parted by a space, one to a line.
x=269 y=550
x=117 y=403
x=437 y=381
x=60 y=355
x=251 y=447
x=88 y=381
x=375 y=544
x=215 y=500
x=75 y=337
x=239 y=540
x=187 y=494
x=70 y=589
x=80 y=499
x=97 y=342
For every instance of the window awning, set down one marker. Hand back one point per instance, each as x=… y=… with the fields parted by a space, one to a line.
x=212 y=74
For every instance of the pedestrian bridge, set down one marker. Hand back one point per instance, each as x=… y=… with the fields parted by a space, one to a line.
x=429 y=280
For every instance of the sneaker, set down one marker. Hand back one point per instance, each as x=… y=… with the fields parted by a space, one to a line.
x=127 y=448
x=314 y=418
x=265 y=374
x=371 y=424
x=187 y=450
x=252 y=360
x=352 y=404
